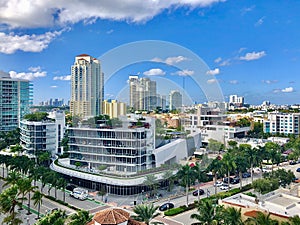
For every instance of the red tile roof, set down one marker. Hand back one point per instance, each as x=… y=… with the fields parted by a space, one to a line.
x=111 y=216
x=83 y=55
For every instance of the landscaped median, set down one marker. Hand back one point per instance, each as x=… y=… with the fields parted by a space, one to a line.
x=214 y=198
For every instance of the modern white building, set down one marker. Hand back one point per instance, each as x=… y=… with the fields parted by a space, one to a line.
x=87 y=87
x=15 y=101
x=142 y=93
x=282 y=123
x=175 y=99
x=45 y=135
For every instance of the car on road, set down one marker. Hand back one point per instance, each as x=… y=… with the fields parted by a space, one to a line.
x=70 y=187
x=296 y=180
x=232 y=180
x=166 y=206
x=293 y=162
x=225 y=187
x=298 y=169
x=246 y=175
x=199 y=191
x=79 y=193
x=218 y=183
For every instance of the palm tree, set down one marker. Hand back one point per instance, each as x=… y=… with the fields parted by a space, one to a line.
x=12 y=178
x=200 y=175
x=208 y=213
x=56 y=217
x=273 y=151
x=151 y=182
x=187 y=176
x=82 y=217
x=215 y=167
x=232 y=216
x=250 y=155
x=294 y=220
x=145 y=213
x=261 y=219
x=228 y=164
x=62 y=183
x=9 y=200
x=37 y=201
x=169 y=177
x=241 y=165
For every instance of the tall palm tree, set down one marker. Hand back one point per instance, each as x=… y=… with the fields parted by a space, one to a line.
x=37 y=201
x=228 y=164
x=152 y=182
x=187 y=176
x=261 y=219
x=273 y=150
x=169 y=177
x=241 y=165
x=215 y=167
x=208 y=213
x=62 y=183
x=200 y=174
x=12 y=178
x=82 y=217
x=295 y=220
x=145 y=213
x=232 y=216
x=56 y=217
x=9 y=200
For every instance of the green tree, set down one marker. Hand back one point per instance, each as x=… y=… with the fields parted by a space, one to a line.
x=232 y=216
x=56 y=217
x=208 y=213
x=152 y=182
x=228 y=164
x=62 y=184
x=37 y=201
x=145 y=213
x=261 y=219
x=170 y=179
x=9 y=200
x=216 y=168
x=82 y=217
x=264 y=186
x=200 y=175
x=273 y=151
x=37 y=116
x=214 y=145
x=251 y=155
x=12 y=178
x=24 y=187
x=187 y=176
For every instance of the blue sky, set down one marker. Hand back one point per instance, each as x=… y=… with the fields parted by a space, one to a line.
x=250 y=47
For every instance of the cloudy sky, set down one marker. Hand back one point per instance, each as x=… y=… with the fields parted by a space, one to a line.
x=247 y=47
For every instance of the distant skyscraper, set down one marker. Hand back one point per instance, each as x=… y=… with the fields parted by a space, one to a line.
x=87 y=86
x=175 y=100
x=15 y=100
x=113 y=108
x=235 y=100
x=142 y=93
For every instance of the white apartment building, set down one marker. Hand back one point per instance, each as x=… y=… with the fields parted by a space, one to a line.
x=43 y=135
x=235 y=100
x=282 y=123
x=87 y=87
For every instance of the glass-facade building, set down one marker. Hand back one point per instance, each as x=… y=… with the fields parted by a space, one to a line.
x=15 y=101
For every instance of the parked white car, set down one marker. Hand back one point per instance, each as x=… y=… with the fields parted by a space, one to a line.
x=79 y=193
x=218 y=183
x=225 y=187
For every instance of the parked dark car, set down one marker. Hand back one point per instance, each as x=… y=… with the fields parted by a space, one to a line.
x=70 y=187
x=200 y=191
x=298 y=169
x=293 y=162
x=166 y=206
x=232 y=180
x=246 y=174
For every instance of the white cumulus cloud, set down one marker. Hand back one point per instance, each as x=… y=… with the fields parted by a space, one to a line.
x=35 y=73
x=171 y=60
x=288 y=90
x=212 y=81
x=10 y=43
x=68 y=77
x=154 y=72
x=217 y=60
x=216 y=71
x=45 y=13
x=54 y=86
x=253 y=56
x=185 y=72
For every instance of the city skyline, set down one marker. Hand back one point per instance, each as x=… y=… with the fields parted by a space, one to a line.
x=250 y=47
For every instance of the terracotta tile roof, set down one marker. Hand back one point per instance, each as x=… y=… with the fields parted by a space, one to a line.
x=83 y=55
x=134 y=222
x=111 y=216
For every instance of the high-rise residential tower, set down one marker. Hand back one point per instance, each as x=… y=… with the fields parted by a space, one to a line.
x=87 y=87
x=142 y=93
x=175 y=100
x=15 y=100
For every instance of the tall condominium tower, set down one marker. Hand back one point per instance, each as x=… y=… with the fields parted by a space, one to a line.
x=87 y=87
x=142 y=93
x=175 y=100
x=15 y=100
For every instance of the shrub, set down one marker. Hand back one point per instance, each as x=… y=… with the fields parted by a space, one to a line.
x=175 y=211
